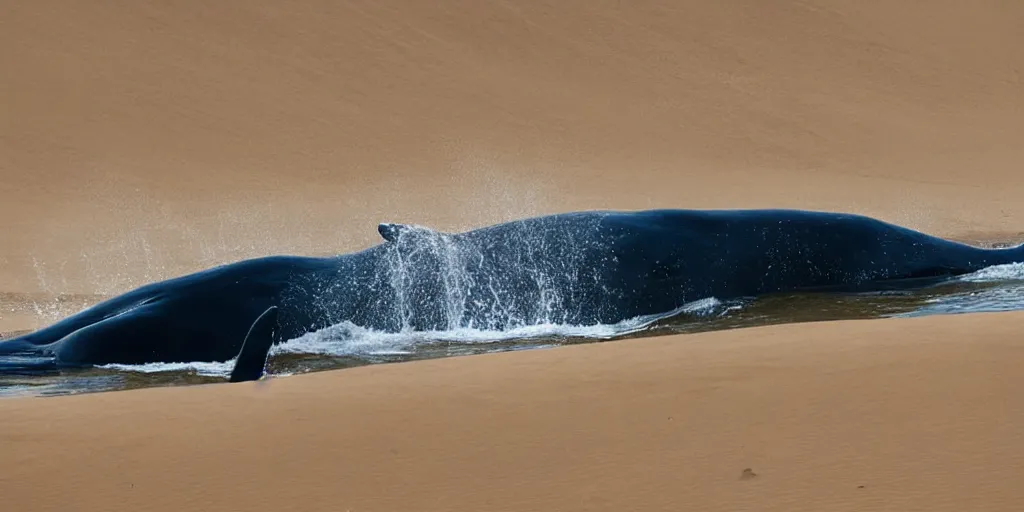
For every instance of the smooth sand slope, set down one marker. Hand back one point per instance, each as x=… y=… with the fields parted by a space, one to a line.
x=143 y=139
x=904 y=415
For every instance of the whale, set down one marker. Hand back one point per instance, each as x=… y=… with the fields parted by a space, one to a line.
x=580 y=268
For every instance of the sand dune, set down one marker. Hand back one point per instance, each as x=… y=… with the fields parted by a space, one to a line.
x=142 y=139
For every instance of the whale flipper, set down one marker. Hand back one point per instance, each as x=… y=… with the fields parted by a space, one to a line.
x=390 y=231
x=252 y=359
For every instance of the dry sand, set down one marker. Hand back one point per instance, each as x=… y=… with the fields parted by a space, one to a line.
x=144 y=139
x=902 y=415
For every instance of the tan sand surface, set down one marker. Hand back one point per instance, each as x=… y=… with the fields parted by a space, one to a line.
x=143 y=139
x=901 y=415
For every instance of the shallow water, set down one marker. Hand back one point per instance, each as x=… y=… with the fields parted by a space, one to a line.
x=345 y=345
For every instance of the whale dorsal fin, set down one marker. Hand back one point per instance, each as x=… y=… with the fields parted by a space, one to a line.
x=390 y=231
x=252 y=358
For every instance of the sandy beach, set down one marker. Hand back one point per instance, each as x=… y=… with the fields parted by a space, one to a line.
x=917 y=414
x=144 y=140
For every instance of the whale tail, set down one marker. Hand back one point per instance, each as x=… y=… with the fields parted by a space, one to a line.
x=252 y=358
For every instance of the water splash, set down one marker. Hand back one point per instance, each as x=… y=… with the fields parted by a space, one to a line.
x=214 y=369
x=417 y=258
x=521 y=275
x=349 y=340
x=991 y=289
x=996 y=273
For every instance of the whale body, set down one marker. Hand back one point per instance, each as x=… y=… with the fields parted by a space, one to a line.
x=582 y=268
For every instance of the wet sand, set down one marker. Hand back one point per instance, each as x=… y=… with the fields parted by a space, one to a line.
x=146 y=139
x=912 y=414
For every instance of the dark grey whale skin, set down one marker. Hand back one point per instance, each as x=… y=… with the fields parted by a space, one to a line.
x=580 y=268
